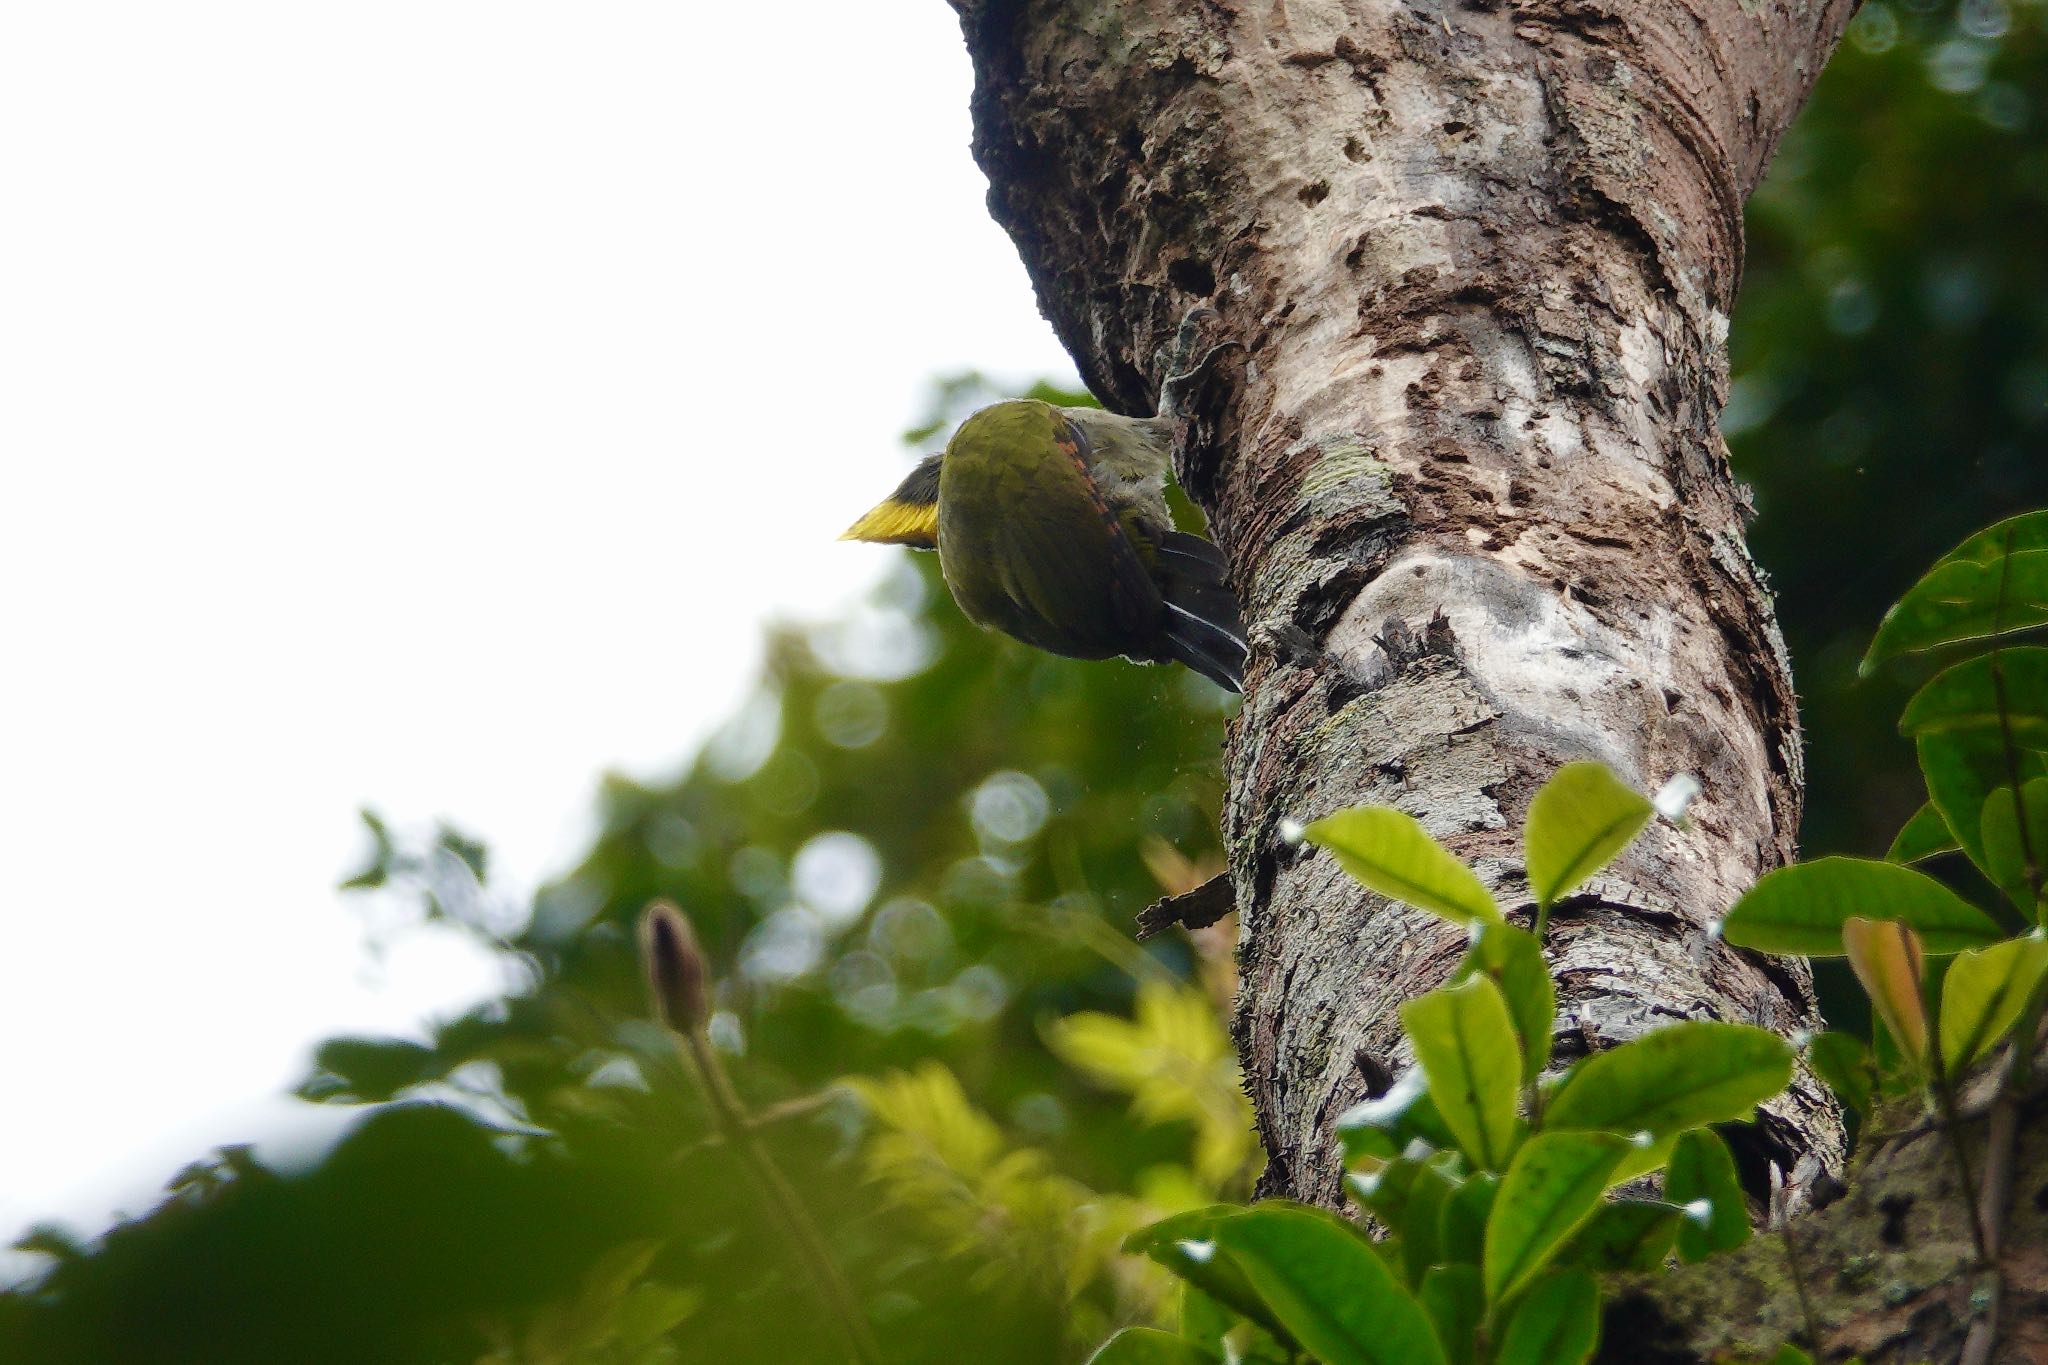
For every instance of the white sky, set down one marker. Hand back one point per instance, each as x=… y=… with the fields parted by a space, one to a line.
x=392 y=397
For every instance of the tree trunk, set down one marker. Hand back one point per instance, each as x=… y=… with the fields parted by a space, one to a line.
x=1481 y=257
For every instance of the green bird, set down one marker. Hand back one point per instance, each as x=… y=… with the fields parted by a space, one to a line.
x=1052 y=526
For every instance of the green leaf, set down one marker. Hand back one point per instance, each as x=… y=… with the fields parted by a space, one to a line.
x=1843 y=1061
x=1926 y=835
x=1799 y=910
x=1466 y=1046
x=1392 y=853
x=1788 y=1354
x=1406 y=1195
x=2006 y=850
x=1552 y=1186
x=1186 y=1244
x=1626 y=1234
x=1557 y=1322
x=1417 y=1232
x=1334 y=1295
x=1382 y=1129
x=1674 y=1078
x=1962 y=768
x=1461 y=1226
x=1514 y=959
x=1967 y=697
x=1983 y=995
x=1702 y=1168
x=1994 y=582
x=1583 y=816
x=1149 y=1346
x=1455 y=1300
x=1204 y=1320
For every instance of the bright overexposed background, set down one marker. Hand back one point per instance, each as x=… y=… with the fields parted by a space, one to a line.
x=418 y=404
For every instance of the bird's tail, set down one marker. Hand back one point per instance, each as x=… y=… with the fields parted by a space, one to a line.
x=1203 y=629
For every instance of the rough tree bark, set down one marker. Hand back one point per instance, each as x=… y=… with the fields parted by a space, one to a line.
x=1481 y=255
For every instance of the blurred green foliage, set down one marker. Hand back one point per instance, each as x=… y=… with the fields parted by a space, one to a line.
x=914 y=857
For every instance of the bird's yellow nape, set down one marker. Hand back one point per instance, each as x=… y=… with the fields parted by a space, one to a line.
x=898 y=523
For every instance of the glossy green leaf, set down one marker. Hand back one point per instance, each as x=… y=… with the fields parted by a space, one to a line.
x=1801 y=909
x=1392 y=853
x=1203 y=1320
x=1455 y=1300
x=1336 y=1297
x=1701 y=1168
x=1924 y=836
x=1466 y=1046
x=1983 y=995
x=1843 y=1061
x=2016 y=857
x=1514 y=960
x=2001 y=692
x=1580 y=819
x=1553 y=1185
x=1673 y=1078
x=1382 y=1129
x=1186 y=1245
x=1150 y=1346
x=1556 y=1323
x=1995 y=581
x=1962 y=768
x=1626 y=1234
x=1461 y=1226
x=1418 y=1232
x=1405 y=1195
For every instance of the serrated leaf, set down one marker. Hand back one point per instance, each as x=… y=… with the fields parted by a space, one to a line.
x=1702 y=1168
x=1885 y=955
x=1983 y=995
x=1924 y=836
x=1800 y=910
x=1626 y=1234
x=1466 y=1046
x=1552 y=1186
x=1556 y=1323
x=1674 y=1078
x=1514 y=960
x=1149 y=1346
x=1455 y=1300
x=1996 y=581
x=2008 y=848
x=1389 y=851
x=1843 y=1061
x=1580 y=819
x=1336 y=1297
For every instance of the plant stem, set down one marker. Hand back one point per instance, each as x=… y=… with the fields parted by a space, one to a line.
x=1799 y=1285
x=742 y=1133
x=1952 y=1135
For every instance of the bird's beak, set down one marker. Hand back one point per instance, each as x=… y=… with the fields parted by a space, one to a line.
x=898 y=523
